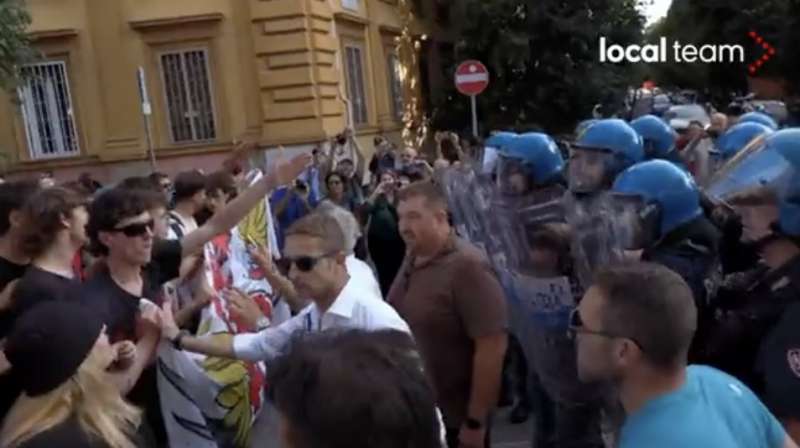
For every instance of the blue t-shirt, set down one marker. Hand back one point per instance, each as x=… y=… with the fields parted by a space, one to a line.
x=712 y=409
x=295 y=209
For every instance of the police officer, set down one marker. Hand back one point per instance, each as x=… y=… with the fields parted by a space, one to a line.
x=755 y=335
x=673 y=230
x=491 y=146
x=658 y=138
x=603 y=150
x=527 y=164
x=772 y=222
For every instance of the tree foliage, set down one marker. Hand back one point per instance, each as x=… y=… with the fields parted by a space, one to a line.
x=543 y=60
x=728 y=22
x=15 y=45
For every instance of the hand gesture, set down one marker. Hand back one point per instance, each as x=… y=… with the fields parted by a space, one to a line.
x=285 y=173
x=169 y=329
x=150 y=318
x=243 y=307
x=260 y=255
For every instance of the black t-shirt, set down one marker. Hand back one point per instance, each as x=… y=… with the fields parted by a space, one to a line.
x=35 y=287
x=120 y=309
x=9 y=272
x=67 y=434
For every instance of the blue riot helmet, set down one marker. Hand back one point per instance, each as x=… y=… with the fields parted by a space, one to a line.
x=529 y=161
x=759 y=117
x=490 y=147
x=499 y=139
x=787 y=144
x=658 y=137
x=601 y=152
x=738 y=136
x=664 y=196
x=583 y=126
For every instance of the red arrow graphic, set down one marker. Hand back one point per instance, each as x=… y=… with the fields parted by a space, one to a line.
x=769 y=51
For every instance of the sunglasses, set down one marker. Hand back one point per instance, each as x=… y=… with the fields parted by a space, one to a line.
x=577 y=326
x=138 y=229
x=304 y=263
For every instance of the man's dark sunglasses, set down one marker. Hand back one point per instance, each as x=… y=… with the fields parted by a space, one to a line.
x=305 y=263
x=138 y=229
x=576 y=326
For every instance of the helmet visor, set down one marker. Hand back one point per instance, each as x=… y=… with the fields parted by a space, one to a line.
x=753 y=167
x=588 y=170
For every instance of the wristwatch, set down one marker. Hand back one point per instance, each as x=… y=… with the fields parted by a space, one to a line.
x=473 y=423
x=176 y=341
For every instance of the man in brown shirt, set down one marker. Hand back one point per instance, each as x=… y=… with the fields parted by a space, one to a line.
x=455 y=307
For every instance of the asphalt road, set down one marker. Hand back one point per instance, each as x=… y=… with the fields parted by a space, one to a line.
x=506 y=435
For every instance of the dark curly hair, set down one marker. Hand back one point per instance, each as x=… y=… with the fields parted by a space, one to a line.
x=111 y=207
x=344 y=389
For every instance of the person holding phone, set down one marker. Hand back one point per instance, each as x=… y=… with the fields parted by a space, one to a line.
x=384 y=243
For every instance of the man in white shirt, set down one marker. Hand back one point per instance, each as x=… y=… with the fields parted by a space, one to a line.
x=316 y=255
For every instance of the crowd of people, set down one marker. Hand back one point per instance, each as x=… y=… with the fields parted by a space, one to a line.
x=399 y=310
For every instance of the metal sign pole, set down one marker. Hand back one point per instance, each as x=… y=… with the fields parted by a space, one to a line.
x=147 y=111
x=474 y=115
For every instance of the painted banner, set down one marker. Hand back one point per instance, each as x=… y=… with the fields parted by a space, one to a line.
x=210 y=402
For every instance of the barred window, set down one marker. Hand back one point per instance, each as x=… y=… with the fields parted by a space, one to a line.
x=396 y=86
x=187 y=89
x=354 y=57
x=46 y=106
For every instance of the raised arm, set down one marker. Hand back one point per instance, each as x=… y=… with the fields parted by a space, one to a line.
x=237 y=209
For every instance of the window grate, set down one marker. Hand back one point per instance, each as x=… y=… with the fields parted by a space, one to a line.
x=187 y=90
x=355 y=83
x=47 y=110
x=396 y=86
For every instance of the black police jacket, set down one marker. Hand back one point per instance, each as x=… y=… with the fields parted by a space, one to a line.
x=743 y=320
x=691 y=252
x=778 y=362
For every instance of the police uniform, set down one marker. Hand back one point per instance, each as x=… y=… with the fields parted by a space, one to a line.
x=778 y=360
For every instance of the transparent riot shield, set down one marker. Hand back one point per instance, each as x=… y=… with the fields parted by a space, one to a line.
x=755 y=166
x=539 y=300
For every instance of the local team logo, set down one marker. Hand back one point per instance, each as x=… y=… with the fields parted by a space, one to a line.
x=793 y=356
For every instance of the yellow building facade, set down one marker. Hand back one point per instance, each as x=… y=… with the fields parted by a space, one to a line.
x=281 y=72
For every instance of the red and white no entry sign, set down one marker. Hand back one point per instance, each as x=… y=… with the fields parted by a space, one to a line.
x=472 y=78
